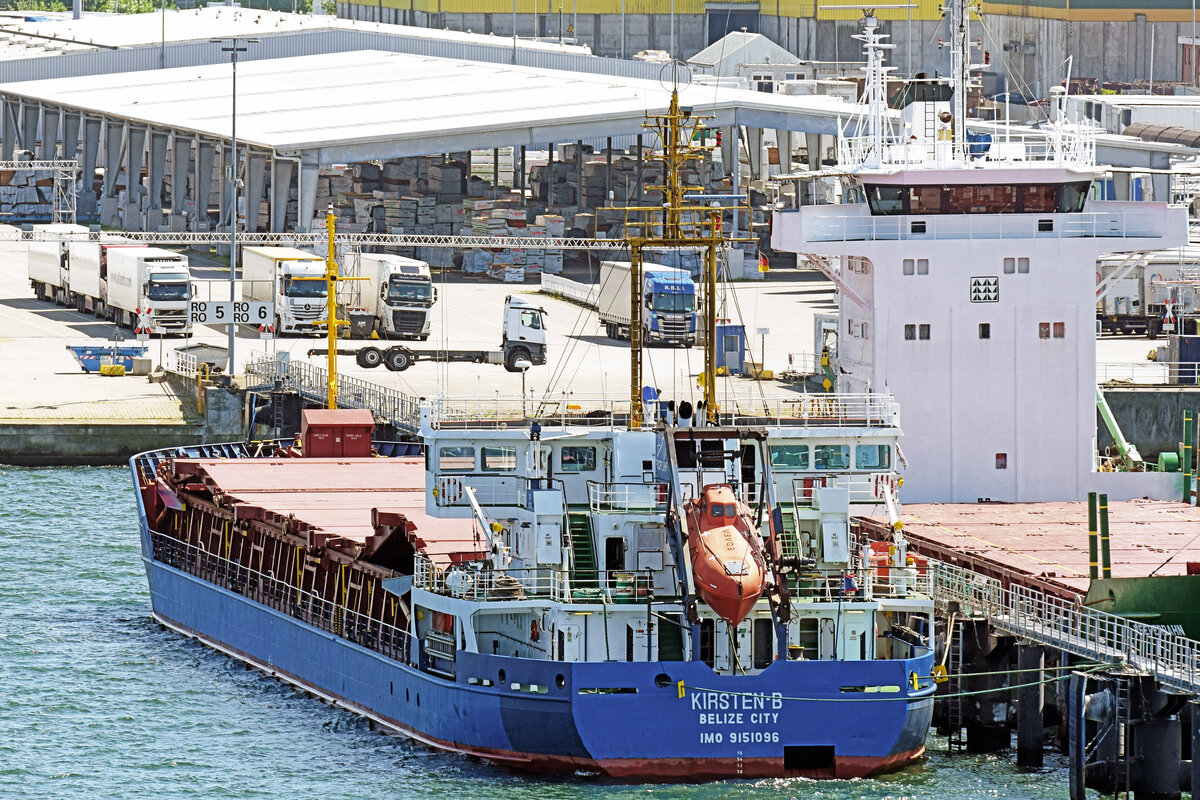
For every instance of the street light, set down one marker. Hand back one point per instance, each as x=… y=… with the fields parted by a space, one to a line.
x=236 y=44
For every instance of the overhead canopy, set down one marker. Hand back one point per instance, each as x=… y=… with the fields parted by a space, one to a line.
x=365 y=105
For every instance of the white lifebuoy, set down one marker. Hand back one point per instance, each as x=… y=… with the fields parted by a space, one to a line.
x=451 y=489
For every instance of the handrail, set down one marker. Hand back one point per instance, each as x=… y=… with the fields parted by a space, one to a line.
x=823 y=224
x=1148 y=372
x=1172 y=659
x=184 y=364
x=389 y=640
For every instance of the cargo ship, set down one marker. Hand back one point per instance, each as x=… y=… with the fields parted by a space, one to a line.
x=524 y=593
x=640 y=588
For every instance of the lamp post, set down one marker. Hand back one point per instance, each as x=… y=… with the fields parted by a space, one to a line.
x=236 y=44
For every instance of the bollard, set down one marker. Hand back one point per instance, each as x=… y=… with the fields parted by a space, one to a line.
x=1093 y=557
x=1185 y=456
x=1105 y=558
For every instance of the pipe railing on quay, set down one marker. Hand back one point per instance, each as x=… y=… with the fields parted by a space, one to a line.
x=1148 y=372
x=1172 y=659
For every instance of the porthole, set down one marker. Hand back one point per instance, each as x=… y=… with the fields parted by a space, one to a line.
x=560 y=681
x=501 y=681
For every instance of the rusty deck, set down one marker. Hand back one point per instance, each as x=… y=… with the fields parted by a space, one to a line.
x=1045 y=545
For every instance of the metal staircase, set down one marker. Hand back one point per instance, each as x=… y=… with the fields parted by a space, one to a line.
x=1122 y=713
x=584 y=571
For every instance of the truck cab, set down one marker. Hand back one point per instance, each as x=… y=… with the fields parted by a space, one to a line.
x=524 y=333
x=402 y=294
x=167 y=292
x=301 y=301
x=670 y=298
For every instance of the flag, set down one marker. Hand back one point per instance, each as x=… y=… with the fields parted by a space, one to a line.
x=763 y=264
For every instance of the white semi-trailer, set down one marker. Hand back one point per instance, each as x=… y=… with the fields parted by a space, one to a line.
x=283 y=276
x=48 y=265
x=397 y=291
x=148 y=289
x=89 y=273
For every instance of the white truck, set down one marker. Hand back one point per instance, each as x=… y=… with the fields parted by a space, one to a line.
x=280 y=275
x=668 y=298
x=49 y=267
x=89 y=272
x=397 y=291
x=522 y=345
x=148 y=289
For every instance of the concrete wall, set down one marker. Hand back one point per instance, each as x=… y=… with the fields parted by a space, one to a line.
x=1150 y=417
x=100 y=442
x=1113 y=51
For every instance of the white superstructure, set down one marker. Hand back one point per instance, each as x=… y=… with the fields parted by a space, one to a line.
x=966 y=270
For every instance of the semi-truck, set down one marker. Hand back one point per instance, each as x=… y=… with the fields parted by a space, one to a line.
x=283 y=276
x=147 y=289
x=668 y=297
x=89 y=273
x=49 y=267
x=522 y=345
x=397 y=292
x=1147 y=293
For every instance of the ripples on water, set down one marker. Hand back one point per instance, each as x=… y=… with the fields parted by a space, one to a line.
x=96 y=701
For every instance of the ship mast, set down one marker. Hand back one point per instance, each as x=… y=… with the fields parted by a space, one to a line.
x=331 y=279
x=682 y=220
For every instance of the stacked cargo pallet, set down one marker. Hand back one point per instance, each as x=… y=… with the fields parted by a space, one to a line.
x=27 y=195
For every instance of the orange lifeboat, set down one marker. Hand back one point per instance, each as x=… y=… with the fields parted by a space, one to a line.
x=727 y=566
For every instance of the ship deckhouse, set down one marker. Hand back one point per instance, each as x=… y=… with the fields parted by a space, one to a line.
x=966 y=278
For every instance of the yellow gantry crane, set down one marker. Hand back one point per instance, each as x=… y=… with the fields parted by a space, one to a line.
x=688 y=217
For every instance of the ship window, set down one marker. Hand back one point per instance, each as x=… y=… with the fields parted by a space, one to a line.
x=909 y=266
x=886 y=199
x=1073 y=196
x=1010 y=266
x=1039 y=198
x=922 y=266
x=1001 y=460
x=1060 y=330
x=925 y=200
x=1023 y=265
x=499 y=459
x=456 y=459
x=923 y=331
x=1043 y=330
x=910 y=332
x=718 y=509
x=789 y=456
x=991 y=199
x=985 y=330
x=872 y=456
x=831 y=456
x=578 y=459
x=730 y=510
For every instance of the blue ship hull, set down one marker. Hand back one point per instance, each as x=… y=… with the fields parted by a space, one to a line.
x=627 y=720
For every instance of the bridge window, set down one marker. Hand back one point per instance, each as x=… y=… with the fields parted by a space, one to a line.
x=831 y=456
x=977 y=199
x=456 y=459
x=499 y=459
x=886 y=199
x=789 y=456
x=872 y=456
x=578 y=459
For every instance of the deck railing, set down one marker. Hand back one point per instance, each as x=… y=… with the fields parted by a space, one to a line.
x=627 y=497
x=476 y=581
x=828 y=225
x=1172 y=659
x=389 y=640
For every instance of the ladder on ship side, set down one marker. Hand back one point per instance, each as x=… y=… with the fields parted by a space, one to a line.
x=956 y=740
x=930 y=124
x=584 y=569
x=1122 y=714
x=277 y=414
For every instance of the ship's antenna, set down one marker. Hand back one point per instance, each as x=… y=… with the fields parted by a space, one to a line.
x=874 y=97
x=687 y=217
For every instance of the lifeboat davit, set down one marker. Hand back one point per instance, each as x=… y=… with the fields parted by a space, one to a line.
x=727 y=565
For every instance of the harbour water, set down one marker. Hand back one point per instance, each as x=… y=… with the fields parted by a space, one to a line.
x=96 y=701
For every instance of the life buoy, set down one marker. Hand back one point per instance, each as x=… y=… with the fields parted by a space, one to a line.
x=452 y=490
x=534 y=632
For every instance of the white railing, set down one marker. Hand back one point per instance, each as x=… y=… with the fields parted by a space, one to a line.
x=822 y=225
x=584 y=293
x=184 y=364
x=855 y=410
x=858 y=584
x=804 y=363
x=400 y=410
x=864 y=488
x=1172 y=659
x=1148 y=372
x=474 y=581
x=1076 y=147
x=492 y=490
x=620 y=498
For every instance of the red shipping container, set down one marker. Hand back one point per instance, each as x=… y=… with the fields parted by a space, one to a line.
x=337 y=433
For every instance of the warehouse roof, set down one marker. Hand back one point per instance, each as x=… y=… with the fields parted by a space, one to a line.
x=365 y=105
x=129 y=30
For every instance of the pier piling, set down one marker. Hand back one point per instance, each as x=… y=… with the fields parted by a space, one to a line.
x=1031 y=663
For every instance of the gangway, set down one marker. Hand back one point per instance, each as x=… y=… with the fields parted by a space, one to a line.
x=1170 y=658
